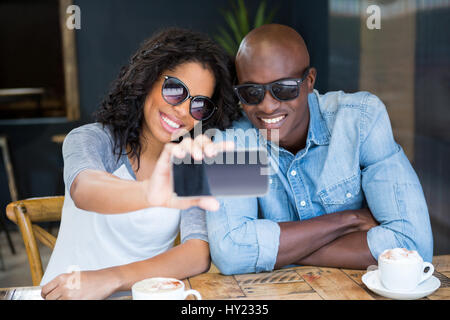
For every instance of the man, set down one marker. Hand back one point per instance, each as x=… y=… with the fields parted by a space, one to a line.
x=338 y=165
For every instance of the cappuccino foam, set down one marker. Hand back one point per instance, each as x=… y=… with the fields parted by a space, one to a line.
x=155 y=285
x=400 y=254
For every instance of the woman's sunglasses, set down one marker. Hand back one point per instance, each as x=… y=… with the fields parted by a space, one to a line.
x=282 y=90
x=175 y=92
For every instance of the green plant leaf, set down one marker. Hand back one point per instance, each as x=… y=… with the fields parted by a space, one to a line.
x=226 y=45
x=226 y=35
x=269 y=18
x=238 y=23
x=231 y=43
x=242 y=16
x=259 y=18
x=234 y=26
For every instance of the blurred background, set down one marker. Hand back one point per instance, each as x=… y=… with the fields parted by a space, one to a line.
x=53 y=78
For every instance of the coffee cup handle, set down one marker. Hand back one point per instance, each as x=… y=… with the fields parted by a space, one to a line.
x=194 y=293
x=429 y=273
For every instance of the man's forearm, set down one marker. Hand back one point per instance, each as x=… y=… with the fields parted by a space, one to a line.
x=299 y=239
x=349 y=251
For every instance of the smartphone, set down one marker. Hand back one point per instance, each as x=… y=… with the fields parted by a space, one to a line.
x=239 y=173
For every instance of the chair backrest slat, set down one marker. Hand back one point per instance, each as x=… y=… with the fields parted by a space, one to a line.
x=34 y=257
x=24 y=213
x=44 y=237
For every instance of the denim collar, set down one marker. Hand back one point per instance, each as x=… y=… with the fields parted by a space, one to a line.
x=318 y=132
x=318 y=129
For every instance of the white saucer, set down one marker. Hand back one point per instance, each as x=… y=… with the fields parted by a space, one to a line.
x=372 y=280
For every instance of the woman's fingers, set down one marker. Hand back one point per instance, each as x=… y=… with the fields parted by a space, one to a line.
x=55 y=294
x=155 y=196
x=210 y=148
x=49 y=287
x=187 y=146
x=225 y=146
x=163 y=163
x=208 y=203
x=202 y=144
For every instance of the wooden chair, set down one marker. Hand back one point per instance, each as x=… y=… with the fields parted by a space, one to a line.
x=25 y=214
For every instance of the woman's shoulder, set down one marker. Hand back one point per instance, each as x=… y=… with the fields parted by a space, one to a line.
x=91 y=135
x=92 y=129
x=89 y=146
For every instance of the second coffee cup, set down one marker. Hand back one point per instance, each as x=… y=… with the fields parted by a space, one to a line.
x=402 y=270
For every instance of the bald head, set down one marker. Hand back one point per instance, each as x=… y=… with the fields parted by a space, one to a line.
x=275 y=53
x=273 y=46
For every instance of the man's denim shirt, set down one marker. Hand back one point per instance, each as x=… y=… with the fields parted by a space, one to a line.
x=350 y=161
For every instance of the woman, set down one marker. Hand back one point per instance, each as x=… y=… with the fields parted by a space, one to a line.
x=114 y=227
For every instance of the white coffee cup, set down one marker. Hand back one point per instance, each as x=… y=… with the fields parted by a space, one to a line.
x=402 y=270
x=161 y=289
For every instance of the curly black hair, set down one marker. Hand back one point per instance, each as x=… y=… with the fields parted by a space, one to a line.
x=122 y=108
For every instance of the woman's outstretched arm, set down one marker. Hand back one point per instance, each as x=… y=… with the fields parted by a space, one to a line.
x=102 y=192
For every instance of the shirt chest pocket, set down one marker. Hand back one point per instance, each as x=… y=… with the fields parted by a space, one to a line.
x=276 y=205
x=275 y=183
x=344 y=195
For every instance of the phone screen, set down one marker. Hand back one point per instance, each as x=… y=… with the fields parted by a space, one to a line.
x=231 y=173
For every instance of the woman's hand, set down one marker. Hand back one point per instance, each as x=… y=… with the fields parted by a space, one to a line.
x=159 y=188
x=81 y=285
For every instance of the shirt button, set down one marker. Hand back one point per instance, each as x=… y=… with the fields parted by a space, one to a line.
x=293 y=173
x=270 y=181
x=303 y=203
x=348 y=195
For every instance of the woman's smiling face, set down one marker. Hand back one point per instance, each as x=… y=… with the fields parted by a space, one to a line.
x=165 y=122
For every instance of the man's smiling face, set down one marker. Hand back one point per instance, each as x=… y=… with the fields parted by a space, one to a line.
x=264 y=58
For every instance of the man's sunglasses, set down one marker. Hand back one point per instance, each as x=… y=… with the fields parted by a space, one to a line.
x=175 y=92
x=282 y=90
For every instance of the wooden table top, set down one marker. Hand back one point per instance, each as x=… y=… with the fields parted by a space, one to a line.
x=295 y=283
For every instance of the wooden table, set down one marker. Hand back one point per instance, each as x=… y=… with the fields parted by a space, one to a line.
x=295 y=283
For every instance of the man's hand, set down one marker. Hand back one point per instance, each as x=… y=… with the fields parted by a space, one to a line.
x=299 y=239
x=349 y=250
x=84 y=285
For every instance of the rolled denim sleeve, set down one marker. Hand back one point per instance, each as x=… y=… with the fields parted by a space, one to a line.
x=239 y=241
x=392 y=189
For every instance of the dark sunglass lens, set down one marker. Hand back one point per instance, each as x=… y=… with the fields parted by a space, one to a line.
x=251 y=94
x=173 y=91
x=285 y=90
x=201 y=108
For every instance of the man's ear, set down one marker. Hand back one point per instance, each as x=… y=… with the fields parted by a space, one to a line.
x=311 y=79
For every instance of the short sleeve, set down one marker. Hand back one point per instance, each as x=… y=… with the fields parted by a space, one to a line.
x=86 y=147
x=193 y=224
